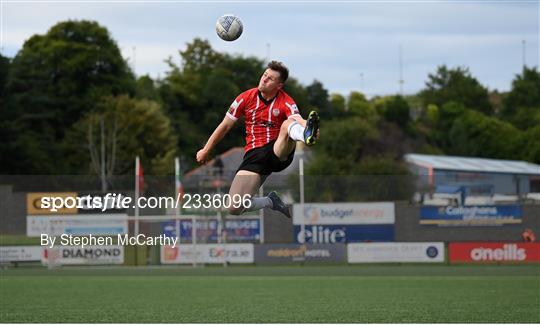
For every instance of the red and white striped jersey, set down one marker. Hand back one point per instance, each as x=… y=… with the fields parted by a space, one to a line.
x=263 y=118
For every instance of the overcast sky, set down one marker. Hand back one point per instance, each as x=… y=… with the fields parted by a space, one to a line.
x=347 y=45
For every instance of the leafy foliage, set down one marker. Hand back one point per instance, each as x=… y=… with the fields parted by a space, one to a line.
x=73 y=78
x=522 y=104
x=456 y=85
x=131 y=127
x=53 y=81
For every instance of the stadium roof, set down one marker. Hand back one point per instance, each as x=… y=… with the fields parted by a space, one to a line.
x=468 y=164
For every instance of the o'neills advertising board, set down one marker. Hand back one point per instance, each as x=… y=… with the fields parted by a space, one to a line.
x=292 y=253
x=344 y=213
x=207 y=253
x=395 y=252
x=42 y=203
x=20 y=253
x=490 y=252
x=75 y=255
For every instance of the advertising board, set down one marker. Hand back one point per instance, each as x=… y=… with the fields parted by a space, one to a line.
x=89 y=224
x=35 y=205
x=330 y=234
x=344 y=213
x=297 y=253
x=395 y=252
x=20 y=253
x=496 y=215
x=89 y=255
x=242 y=229
x=493 y=252
x=207 y=253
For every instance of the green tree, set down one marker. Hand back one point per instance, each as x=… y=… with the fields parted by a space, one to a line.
x=337 y=102
x=345 y=142
x=525 y=90
x=4 y=71
x=328 y=173
x=318 y=99
x=531 y=145
x=358 y=105
x=474 y=134
x=54 y=79
x=124 y=128
x=457 y=85
x=396 y=110
x=441 y=121
x=432 y=114
x=145 y=88
x=522 y=104
x=383 y=178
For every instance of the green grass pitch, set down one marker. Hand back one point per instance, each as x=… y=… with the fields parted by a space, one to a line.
x=285 y=294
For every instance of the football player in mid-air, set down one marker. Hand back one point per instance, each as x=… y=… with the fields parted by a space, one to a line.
x=273 y=125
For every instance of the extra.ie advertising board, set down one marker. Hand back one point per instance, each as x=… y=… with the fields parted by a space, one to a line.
x=329 y=223
x=207 y=253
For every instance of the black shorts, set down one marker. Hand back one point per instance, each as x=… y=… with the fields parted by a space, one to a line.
x=264 y=161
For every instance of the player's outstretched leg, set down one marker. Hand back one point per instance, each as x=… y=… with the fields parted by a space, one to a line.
x=307 y=134
x=278 y=204
x=312 y=126
x=271 y=201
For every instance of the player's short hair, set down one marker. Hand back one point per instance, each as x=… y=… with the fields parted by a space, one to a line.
x=281 y=68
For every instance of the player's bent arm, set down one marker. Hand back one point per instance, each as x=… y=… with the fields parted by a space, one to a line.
x=222 y=129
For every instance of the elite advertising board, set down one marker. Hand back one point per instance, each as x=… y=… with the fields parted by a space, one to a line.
x=496 y=215
x=243 y=229
x=207 y=253
x=395 y=252
x=493 y=252
x=295 y=253
x=20 y=253
x=330 y=234
x=89 y=255
x=344 y=213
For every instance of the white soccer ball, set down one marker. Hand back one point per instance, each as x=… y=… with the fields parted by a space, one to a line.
x=229 y=27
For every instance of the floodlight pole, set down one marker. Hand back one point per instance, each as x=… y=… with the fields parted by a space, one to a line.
x=301 y=169
x=177 y=195
x=137 y=189
x=523 y=47
x=261 y=218
x=194 y=239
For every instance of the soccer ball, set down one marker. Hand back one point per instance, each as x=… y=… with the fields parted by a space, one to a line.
x=229 y=27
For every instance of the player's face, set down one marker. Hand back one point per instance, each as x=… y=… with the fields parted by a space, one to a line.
x=270 y=81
